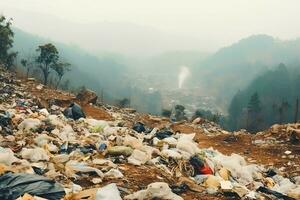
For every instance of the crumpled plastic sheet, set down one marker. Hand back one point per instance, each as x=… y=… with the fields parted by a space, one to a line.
x=14 y=185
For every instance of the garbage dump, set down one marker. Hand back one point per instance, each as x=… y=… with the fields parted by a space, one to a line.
x=63 y=153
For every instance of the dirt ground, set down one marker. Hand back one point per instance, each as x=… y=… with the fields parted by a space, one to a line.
x=137 y=178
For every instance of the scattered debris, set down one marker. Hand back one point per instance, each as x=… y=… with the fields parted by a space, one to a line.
x=77 y=153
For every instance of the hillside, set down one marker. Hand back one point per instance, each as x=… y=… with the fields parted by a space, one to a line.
x=100 y=74
x=109 y=146
x=233 y=67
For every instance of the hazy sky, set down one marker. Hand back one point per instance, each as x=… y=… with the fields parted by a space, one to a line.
x=219 y=21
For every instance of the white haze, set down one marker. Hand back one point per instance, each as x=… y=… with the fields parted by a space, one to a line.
x=209 y=24
x=183 y=75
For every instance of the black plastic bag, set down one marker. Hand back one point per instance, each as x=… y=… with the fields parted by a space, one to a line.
x=274 y=193
x=163 y=134
x=74 y=111
x=139 y=127
x=13 y=186
x=6 y=124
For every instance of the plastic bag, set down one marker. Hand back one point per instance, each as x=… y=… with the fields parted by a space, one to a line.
x=14 y=185
x=74 y=111
x=109 y=192
x=159 y=190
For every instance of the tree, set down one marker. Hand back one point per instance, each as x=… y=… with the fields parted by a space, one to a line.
x=66 y=85
x=24 y=63
x=166 y=113
x=6 y=42
x=296 y=111
x=179 y=113
x=124 y=102
x=60 y=69
x=27 y=65
x=281 y=109
x=254 y=110
x=47 y=59
x=207 y=114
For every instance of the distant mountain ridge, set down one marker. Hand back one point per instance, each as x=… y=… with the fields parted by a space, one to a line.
x=233 y=67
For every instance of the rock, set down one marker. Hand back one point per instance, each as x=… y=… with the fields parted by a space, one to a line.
x=87 y=96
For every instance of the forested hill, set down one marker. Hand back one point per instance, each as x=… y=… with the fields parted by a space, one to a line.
x=234 y=67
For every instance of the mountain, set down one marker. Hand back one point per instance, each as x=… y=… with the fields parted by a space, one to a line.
x=277 y=91
x=233 y=67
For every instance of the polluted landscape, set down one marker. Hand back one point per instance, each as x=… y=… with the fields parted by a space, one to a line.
x=137 y=101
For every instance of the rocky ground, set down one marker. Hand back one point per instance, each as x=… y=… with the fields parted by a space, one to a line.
x=81 y=154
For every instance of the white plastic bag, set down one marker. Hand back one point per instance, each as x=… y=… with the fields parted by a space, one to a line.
x=108 y=192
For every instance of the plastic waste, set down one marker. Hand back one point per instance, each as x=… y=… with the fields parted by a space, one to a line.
x=102 y=146
x=74 y=111
x=35 y=155
x=114 y=173
x=74 y=166
x=186 y=143
x=108 y=192
x=200 y=166
x=212 y=182
x=162 y=134
x=6 y=123
x=138 y=157
x=180 y=188
x=274 y=193
x=226 y=186
x=61 y=158
x=171 y=153
x=14 y=185
x=96 y=123
x=224 y=173
x=42 y=139
x=44 y=112
x=119 y=150
x=104 y=162
x=87 y=148
x=158 y=190
x=7 y=156
x=139 y=127
x=67 y=134
x=29 y=124
x=132 y=142
x=237 y=166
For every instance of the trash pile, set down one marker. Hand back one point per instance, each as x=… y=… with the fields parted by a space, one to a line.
x=208 y=127
x=285 y=133
x=61 y=153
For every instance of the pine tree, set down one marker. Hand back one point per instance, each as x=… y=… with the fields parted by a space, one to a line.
x=254 y=109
